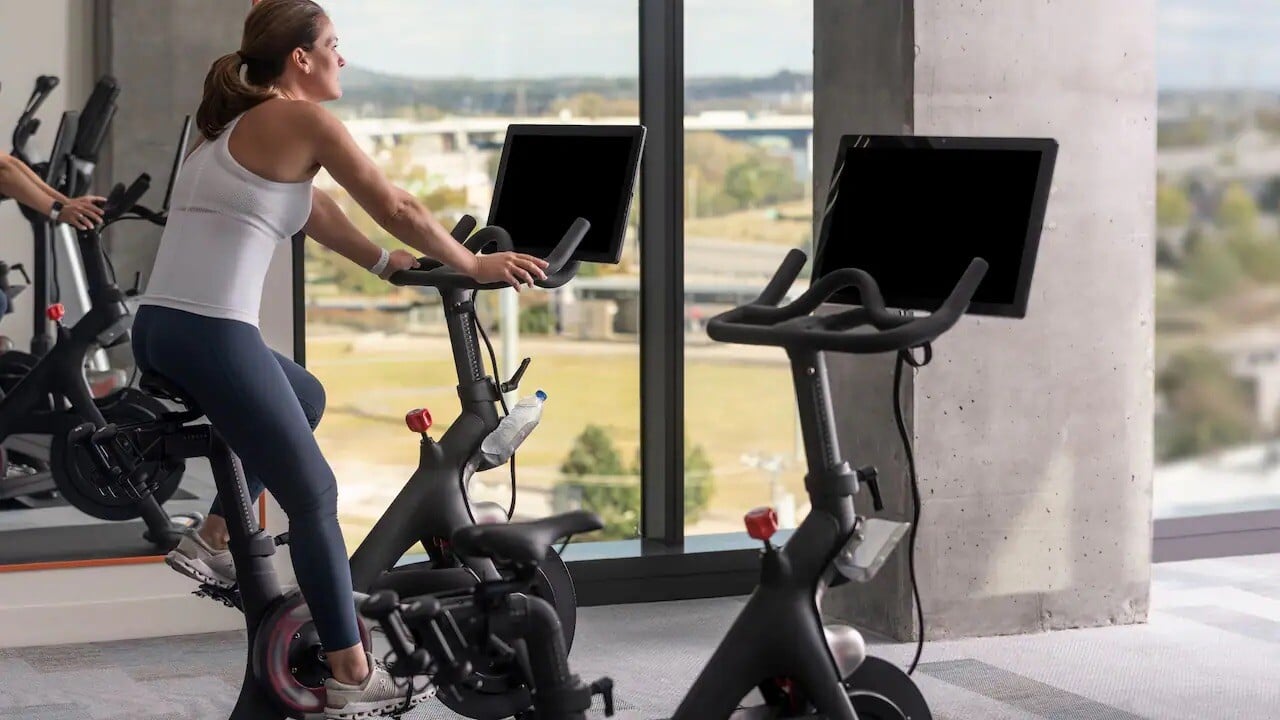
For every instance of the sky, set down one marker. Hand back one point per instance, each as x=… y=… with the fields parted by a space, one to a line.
x=1218 y=43
x=1200 y=43
x=545 y=38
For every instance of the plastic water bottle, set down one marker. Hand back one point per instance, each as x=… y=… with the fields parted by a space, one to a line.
x=501 y=444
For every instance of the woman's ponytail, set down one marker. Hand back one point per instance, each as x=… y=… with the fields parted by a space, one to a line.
x=226 y=95
x=240 y=80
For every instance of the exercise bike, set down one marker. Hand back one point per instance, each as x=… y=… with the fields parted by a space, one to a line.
x=778 y=645
x=53 y=397
x=285 y=668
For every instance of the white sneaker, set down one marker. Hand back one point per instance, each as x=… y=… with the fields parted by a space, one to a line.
x=379 y=694
x=194 y=558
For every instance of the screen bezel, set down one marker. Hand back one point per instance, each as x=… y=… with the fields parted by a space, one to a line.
x=1048 y=149
x=636 y=133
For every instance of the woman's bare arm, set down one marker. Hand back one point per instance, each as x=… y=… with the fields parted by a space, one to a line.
x=331 y=227
x=398 y=211
x=22 y=184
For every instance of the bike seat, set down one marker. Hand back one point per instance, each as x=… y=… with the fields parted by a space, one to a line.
x=523 y=542
x=161 y=387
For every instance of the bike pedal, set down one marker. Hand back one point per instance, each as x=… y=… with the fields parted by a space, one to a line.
x=604 y=688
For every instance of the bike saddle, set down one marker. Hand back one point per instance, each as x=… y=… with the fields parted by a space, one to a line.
x=523 y=542
x=161 y=387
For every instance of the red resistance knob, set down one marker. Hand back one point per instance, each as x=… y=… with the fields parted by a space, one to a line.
x=56 y=312
x=762 y=523
x=418 y=420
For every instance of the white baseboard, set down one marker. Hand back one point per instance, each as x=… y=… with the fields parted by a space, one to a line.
x=99 y=604
x=121 y=619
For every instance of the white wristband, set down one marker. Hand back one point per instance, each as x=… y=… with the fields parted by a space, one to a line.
x=381 y=265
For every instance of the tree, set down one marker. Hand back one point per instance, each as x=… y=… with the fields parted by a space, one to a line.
x=593 y=461
x=1207 y=408
x=1259 y=257
x=1173 y=206
x=1237 y=210
x=594 y=105
x=761 y=180
x=1211 y=271
x=592 y=453
x=536 y=320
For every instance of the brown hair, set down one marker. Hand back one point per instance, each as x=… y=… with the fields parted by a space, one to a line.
x=273 y=29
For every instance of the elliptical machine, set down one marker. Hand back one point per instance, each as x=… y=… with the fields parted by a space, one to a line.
x=53 y=397
x=61 y=271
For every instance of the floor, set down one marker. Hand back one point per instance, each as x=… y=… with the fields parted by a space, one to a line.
x=1210 y=650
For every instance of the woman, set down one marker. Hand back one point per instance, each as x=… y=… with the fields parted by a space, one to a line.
x=243 y=190
x=20 y=183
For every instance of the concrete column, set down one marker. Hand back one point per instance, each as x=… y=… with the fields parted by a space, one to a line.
x=862 y=56
x=1033 y=438
x=160 y=53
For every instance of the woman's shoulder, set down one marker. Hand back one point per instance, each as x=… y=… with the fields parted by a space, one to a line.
x=297 y=115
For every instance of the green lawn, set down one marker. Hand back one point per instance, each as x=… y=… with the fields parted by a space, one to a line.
x=732 y=408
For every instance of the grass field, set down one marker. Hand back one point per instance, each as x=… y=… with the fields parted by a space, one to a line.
x=733 y=407
x=793 y=224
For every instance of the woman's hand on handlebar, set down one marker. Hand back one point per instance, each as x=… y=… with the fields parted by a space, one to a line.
x=399 y=260
x=509 y=267
x=82 y=213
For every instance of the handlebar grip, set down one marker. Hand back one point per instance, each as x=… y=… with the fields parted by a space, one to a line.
x=567 y=246
x=95 y=118
x=466 y=224
x=787 y=273
x=122 y=201
x=135 y=192
x=491 y=234
x=964 y=290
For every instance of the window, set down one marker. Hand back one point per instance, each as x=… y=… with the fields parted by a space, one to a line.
x=429 y=90
x=748 y=178
x=1217 y=261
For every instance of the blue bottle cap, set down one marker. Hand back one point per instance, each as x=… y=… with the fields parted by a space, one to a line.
x=541 y=395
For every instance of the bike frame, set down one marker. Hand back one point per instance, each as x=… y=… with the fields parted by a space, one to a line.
x=780 y=631
x=432 y=505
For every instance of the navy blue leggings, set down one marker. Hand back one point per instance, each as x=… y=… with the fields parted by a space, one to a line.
x=265 y=406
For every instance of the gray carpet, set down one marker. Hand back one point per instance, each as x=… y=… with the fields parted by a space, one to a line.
x=1211 y=650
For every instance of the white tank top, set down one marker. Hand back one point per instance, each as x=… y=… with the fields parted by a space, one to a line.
x=224 y=225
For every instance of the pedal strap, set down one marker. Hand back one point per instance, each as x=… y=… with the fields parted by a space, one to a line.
x=562 y=702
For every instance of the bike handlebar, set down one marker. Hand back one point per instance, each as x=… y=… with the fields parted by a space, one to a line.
x=762 y=322
x=560 y=268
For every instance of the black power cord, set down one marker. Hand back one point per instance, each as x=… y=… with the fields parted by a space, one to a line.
x=905 y=357
x=493 y=360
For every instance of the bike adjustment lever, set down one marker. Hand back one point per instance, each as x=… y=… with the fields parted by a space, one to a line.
x=514 y=382
x=871 y=477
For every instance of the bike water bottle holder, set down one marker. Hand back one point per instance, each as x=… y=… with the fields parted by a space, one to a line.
x=870 y=545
